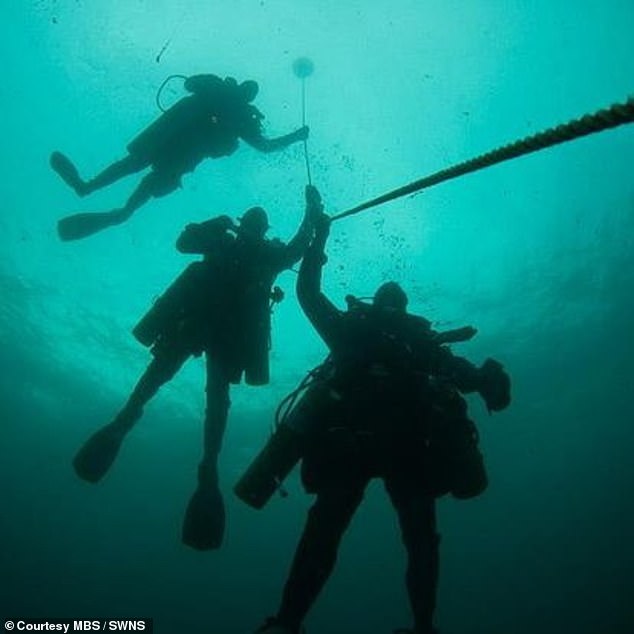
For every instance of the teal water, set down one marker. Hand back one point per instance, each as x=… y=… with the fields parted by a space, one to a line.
x=537 y=254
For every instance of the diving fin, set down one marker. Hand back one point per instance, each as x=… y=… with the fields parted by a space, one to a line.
x=204 y=523
x=98 y=453
x=82 y=225
x=68 y=172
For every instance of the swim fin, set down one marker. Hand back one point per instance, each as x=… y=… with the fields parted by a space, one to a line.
x=98 y=453
x=204 y=523
x=68 y=172
x=82 y=225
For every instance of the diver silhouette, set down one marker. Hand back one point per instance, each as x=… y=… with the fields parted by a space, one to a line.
x=208 y=123
x=387 y=404
x=220 y=306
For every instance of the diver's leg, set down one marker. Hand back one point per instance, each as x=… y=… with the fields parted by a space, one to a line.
x=154 y=185
x=84 y=224
x=204 y=523
x=81 y=225
x=417 y=519
x=217 y=403
x=316 y=553
x=67 y=171
x=98 y=453
x=119 y=169
x=162 y=369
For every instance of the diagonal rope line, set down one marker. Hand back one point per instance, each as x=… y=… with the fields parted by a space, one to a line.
x=611 y=117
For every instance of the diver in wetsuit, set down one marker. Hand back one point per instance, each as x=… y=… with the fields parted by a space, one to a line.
x=206 y=124
x=391 y=409
x=221 y=307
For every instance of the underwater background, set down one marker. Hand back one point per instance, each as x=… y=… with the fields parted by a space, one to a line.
x=536 y=253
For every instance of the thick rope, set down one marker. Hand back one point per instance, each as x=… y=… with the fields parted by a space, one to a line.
x=611 y=117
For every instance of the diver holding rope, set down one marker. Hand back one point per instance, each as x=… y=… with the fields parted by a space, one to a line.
x=208 y=123
x=386 y=404
x=219 y=306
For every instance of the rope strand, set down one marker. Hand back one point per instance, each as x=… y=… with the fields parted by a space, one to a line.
x=306 y=158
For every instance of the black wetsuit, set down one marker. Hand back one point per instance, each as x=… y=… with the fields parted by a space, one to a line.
x=225 y=313
x=209 y=123
x=381 y=378
x=206 y=124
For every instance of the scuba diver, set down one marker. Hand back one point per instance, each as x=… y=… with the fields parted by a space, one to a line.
x=386 y=405
x=220 y=306
x=208 y=123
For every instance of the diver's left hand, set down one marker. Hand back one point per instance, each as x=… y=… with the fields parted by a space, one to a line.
x=313 y=198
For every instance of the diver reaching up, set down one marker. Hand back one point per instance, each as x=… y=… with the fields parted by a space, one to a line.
x=387 y=404
x=208 y=123
x=219 y=306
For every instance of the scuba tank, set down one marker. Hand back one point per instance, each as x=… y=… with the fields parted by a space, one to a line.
x=271 y=466
x=172 y=307
x=180 y=124
x=295 y=420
